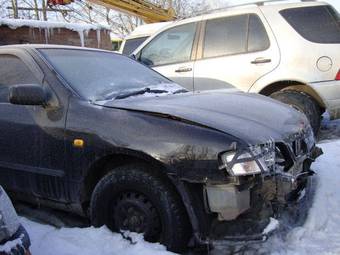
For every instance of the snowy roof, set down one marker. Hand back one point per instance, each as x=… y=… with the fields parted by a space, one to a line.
x=78 y=27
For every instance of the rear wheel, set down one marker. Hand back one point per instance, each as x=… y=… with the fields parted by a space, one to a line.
x=303 y=103
x=131 y=198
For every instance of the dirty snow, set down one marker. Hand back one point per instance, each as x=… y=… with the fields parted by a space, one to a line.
x=321 y=232
x=319 y=235
x=85 y=241
x=8 y=246
x=330 y=130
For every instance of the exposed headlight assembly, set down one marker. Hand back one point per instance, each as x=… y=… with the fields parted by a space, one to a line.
x=257 y=159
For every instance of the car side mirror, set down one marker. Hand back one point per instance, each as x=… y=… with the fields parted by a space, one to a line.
x=27 y=94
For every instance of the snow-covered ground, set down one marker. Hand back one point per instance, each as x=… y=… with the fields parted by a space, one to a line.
x=319 y=235
x=48 y=240
x=330 y=130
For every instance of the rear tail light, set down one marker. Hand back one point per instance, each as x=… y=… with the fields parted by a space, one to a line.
x=337 y=77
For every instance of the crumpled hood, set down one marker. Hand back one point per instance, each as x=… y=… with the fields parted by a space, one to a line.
x=251 y=117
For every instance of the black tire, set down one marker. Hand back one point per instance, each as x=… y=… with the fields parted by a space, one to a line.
x=131 y=198
x=303 y=103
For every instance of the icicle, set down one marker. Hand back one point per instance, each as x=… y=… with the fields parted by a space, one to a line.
x=81 y=35
x=98 y=37
x=31 y=31
x=46 y=35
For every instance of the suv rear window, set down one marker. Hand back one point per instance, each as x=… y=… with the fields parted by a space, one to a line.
x=318 y=24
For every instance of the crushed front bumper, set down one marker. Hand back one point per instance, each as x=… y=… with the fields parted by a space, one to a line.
x=243 y=213
x=330 y=94
x=251 y=227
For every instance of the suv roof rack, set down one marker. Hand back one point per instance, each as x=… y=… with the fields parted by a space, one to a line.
x=258 y=3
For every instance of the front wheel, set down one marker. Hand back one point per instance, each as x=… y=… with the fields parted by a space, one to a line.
x=303 y=103
x=131 y=198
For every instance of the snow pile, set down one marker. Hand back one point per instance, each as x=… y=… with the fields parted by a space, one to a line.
x=319 y=235
x=329 y=129
x=86 y=241
x=78 y=27
x=273 y=224
x=8 y=246
x=321 y=231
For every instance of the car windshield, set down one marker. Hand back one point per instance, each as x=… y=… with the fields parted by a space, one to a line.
x=99 y=75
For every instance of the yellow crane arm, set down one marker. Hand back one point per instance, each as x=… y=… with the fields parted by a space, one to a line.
x=148 y=12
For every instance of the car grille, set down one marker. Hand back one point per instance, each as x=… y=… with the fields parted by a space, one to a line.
x=295 y=147
x=299 y=147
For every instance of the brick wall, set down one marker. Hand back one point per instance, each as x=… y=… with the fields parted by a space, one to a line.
x=92 y=38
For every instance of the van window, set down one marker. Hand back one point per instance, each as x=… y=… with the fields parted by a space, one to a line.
x=319 y=24
x=226 y=36
x=171 y=46
x=132 y=44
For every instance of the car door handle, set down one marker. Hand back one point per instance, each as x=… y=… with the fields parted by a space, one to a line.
x=183 y=70
x=261 y=61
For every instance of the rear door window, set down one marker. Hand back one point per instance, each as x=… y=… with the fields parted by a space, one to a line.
x=257 y=38
x=234 y=35
x=318 y=24
x=226 y=36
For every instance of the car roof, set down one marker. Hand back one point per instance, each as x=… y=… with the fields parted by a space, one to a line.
x=270 y=6
x=229 y=10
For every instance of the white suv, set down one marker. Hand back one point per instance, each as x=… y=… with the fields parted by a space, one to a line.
x=289 y=51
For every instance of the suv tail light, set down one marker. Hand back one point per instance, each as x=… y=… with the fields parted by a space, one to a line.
x=337 y=77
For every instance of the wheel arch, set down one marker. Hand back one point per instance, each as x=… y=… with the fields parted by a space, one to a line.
x=105 y=164
x=293 y=85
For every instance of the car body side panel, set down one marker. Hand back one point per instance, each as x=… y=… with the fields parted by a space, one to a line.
x=299 y=57
x=33 y=138
x=185 y=150
x=237 y=71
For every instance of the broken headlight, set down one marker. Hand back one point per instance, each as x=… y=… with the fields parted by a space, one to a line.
x=258 y=159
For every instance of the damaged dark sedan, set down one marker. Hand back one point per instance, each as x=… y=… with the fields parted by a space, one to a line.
x=98 y=134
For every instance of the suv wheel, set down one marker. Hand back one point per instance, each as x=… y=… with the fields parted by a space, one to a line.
x=303 y=103
x=131 y=198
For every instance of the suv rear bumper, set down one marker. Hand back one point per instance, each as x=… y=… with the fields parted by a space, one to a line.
x=329 y=92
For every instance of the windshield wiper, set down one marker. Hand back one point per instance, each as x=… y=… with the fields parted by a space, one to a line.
x=180 y=91
x=140 y=92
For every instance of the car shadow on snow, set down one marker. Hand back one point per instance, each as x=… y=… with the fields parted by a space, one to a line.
x=330 y=129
